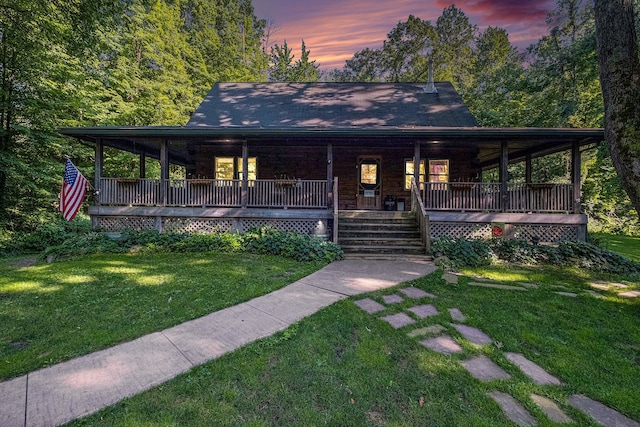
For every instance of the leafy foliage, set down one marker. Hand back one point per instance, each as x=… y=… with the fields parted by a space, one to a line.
x=284 y=69
x=46 y=234
x=459 y=253
x=263 y=240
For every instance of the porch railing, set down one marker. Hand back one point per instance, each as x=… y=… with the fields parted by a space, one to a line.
x=486 y=197
x=288 y=193
x=213 y=193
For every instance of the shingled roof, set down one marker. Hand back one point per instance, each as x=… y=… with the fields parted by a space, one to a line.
x=331 y=106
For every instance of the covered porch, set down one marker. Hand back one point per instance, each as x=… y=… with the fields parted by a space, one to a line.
x=300 y=179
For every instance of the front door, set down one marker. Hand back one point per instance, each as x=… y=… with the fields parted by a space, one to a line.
x=369 y=195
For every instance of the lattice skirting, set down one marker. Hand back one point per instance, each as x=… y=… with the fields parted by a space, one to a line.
x=546 y=233
x=121 y=223
x=549 y=233
x=211 y=225
x=460 y=229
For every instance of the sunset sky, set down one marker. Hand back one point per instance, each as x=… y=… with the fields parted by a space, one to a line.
x=333 y=30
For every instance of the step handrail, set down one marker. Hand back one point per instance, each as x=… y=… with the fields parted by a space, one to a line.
x=421 y=215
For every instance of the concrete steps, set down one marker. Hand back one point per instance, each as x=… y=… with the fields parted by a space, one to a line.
x=379 y=233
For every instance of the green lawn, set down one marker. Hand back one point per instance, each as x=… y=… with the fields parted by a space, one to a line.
x=628 y=246
x=344 y=367
x=54 y=312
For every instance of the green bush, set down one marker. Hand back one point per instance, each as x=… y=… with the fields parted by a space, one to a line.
x=264 y=240
x=479 y=252
x=47 y=234
x=301 y=247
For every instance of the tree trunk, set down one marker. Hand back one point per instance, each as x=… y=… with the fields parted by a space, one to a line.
x=617 y=48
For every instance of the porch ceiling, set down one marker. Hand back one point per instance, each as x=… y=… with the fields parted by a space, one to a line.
x=183 y=140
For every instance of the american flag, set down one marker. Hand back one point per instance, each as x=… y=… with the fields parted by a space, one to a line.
x=74 y=187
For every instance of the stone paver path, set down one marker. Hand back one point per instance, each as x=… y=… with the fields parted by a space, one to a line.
x=473 y=335
x=513 y=409
x=629 y=294
x=425 y=310
x=601 y=413
x=484 y=369
x=398 y=320
x=369 y=305
x=497 y=286
x=533 y=371
x=443 y=344
x=450 y=278
x=551 y=409
x=457 y=315
x=567 y=294
x=392 y=299
x=416 y=293
x=429 y=330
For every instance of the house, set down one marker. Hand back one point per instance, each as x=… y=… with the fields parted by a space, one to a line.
x=304 y=156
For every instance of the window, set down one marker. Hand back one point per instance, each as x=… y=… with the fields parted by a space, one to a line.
x=408 y=172
x=231 y=168
x=369 y=173
x=438 y=170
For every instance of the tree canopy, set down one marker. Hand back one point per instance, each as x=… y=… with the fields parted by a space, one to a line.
x=150 y=62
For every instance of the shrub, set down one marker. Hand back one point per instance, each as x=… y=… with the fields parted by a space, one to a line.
x=46 y=234
x=301 y=247
x=462 y=252
x=264 y=240
x=478 y=252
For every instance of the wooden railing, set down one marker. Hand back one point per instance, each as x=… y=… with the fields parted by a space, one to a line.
x=418 y=209
x=213 y=193
x=125 y=191
x=486 y=197
x=294 y=193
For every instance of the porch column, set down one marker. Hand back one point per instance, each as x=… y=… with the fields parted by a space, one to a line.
x=98 y=169
x=504 y=176
x=576 y=178
x=245 y=174
x=330 y=195
x=416 y=163
x=527 y=169
x=143 y=165
x=164 y=171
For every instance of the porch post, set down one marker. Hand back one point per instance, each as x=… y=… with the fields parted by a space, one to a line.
x=98 y=169
x=330 y=194
x=576 y=179
x=504 y=176
x=164 y=171
x=245 y=174
x=143 y=166
x=416 y=163
x=527 y=169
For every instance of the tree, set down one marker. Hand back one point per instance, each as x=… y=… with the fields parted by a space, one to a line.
x=407 y=50
x=617 y=46
x=365 y=66
x=284 y=69
x=453 y=55
x=41 y=43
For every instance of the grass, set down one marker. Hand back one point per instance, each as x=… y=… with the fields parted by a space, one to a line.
x=343 y=366
x=628 y=246
x=54 y=312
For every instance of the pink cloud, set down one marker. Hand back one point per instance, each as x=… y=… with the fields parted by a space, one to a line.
x=333 y=30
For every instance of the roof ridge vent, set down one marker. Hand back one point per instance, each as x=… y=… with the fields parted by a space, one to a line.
x=431 y=86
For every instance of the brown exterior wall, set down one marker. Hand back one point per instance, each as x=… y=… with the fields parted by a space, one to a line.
x=311 y=163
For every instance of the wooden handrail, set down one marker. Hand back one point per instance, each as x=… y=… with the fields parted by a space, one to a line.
x=422 y=217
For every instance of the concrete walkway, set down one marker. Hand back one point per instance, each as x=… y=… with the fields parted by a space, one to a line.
x=79 y=387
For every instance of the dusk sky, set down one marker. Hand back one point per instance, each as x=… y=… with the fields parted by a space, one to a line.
x=333 y=30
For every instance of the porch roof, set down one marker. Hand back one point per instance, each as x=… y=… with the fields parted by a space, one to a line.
x=366 y=114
